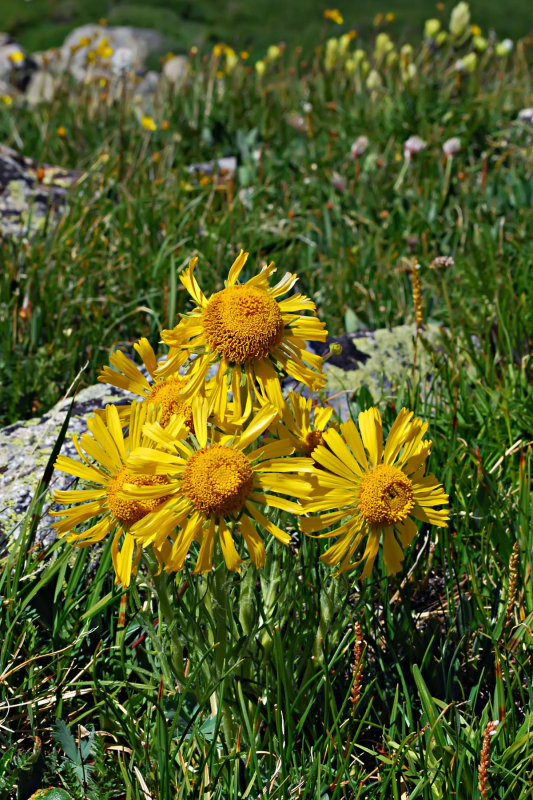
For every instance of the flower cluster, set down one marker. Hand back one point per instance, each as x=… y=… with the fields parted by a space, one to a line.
x=212 y=451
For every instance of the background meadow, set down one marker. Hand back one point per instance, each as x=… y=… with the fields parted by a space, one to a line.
x=297 y=685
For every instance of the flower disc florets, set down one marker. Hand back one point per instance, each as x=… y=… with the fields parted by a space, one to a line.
x=167 y=394
x=218 y=479
x=312 y=440
x=130 y=511
x=385 y=496
x=242 y=323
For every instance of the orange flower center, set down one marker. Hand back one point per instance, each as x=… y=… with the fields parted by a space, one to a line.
x=242 y=323
x=129 y=511
x=167 y=394
x=218 y=479
x=385 y=496
x=312 y=440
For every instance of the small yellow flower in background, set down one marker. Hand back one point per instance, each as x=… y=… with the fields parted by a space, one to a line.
x=103 y=50
x=6 y=99
x=244 y=54
x=107 y=475
x=475 y=30
x=249 y=336
x=102 y=22
x=431 y=28
x=218 y=49
x=479 y=43
x=374 y=492
x=390 y=17
x=504 y=47
x=16 y=57
x=374 y=80
x=378 y=19
x=469 y=62
x=334 y=15
x=84 y=41
x=273 y=52
x=148 y=123
x=215 y=487
x=441 y=38
x=232 y=59
x=61 y=131
x=460 y=19
x=260 y=68
x=382 y=46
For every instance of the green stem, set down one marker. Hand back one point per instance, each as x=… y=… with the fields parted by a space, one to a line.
x=163 y=587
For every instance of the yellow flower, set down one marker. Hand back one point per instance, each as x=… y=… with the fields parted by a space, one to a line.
x=6 y=99
x=390 y=17
x=475 y=30
x=101 y=505
x=431 y=28
x=16 y=57
x=249 y=337
x=163 y=392
x=334 y=15
x=375 y=491
x=303 y=432
x=217 y=487
x=479 y=43
x=61 y=131
x=148 y=123
x=273 y=52
x=104 y=50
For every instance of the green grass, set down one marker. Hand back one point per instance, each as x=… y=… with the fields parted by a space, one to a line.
x=243 y=24
x=264 y=708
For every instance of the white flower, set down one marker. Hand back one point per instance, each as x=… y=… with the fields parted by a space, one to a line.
x=526 y=115
x=359 y=146
x=451 y=146
x=504 y=47
x=413 y=145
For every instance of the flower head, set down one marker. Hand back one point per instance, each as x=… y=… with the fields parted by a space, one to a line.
x=148 y=123
x=249 y=336
x=219 y=483
x=504 y=47
x=334 y=15
x=375 y=491
x=359 y=146
x=451 y=146
x=412 y=146
x=460 y=20
x=303 y=423
x=163 y=392
x=431 y=28
x=102 y=505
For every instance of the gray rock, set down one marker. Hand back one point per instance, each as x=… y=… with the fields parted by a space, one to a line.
x=41 y=87
x=30 y=194
x=140 y=41
x=25 y=448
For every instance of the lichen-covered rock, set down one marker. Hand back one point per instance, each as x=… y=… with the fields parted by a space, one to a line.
x=25 y=448
x=30 y=194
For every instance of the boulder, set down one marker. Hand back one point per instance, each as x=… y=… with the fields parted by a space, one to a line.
x=30 y=194
x=139 y=41
x=25 y=448
x=377 y=360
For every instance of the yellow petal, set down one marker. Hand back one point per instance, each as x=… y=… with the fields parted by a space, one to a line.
x=392 y=553
x=146 y=352
x=204 y=562
x=229 y=551
x=236 y=268
x=372 y=434
x=269 y=526
x=371 y=551
x=257 y=426
x=253 y=541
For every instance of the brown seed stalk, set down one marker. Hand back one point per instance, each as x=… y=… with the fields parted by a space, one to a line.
x=482 y=773
x=513 y=582
x=359 y=650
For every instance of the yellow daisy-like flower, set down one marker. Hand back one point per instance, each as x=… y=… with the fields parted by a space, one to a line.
x=376 y=491
x=163 y=392
x=107 y=475
x=303 y=425
x=249 y=335
x=217 y=486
